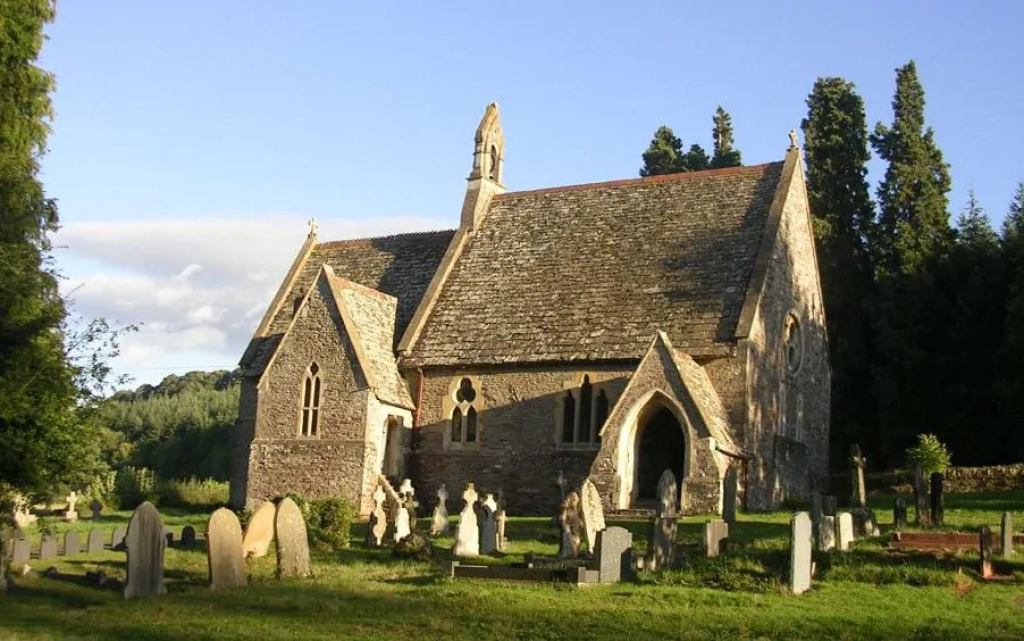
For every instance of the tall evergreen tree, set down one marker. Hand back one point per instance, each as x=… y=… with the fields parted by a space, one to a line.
x=725 y=155
x=664 y=155
x=696 y=159
x=974 y=229
x=836 y=149
x=1011 y=348
x=1013 y=224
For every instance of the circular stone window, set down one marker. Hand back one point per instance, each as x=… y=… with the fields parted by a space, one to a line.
x=793 y=343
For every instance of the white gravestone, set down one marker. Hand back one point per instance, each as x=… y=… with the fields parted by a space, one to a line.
x=72 y=514
x=827 y=533
x=467 y=538
x=439 y=521
x=259 y=533
x=800 y=553
x=402 y=523
x=593 y=513
x=378 y=524
x=844 y=531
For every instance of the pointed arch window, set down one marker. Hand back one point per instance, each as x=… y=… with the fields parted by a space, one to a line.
x=583 y=412
x=494 y=163
x=585 y=427
x=464 y=428
x=568 y=418
x=309 y=415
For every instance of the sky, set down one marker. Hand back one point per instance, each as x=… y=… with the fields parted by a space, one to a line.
x=193 y=140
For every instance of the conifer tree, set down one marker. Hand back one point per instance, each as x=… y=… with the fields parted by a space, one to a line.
x=664 y=155
x=724 y=153
x=1011 y=348
x=696 y=159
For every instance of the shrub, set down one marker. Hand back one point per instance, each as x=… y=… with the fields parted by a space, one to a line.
x=193 y=493
x=134 y=485
x=930 y=453
x=328 y=521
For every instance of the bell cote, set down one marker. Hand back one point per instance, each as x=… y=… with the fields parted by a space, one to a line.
x=485 y=180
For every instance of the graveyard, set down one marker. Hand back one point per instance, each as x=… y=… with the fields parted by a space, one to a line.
x=873 y=590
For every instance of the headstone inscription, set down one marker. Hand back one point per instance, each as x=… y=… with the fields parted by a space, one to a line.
x=188 y=535
x=715 y=533
x=857 y=463
x=72 y=543
x=378 y=524
x=439 y=520
x=145 y=543
x=94 y=544
x=844 y=531
x=800 y=553
x=827 y=533
x=985 y=543
x=488 y=524
x=613 y=556
x=224 y=550
x=570 y=522
x=292 y=540
x=938 y=510
x=593 y=513
x=467 y=534
x=921 y=508
x=730 y=489
x=72 y=514
x=899 y=514
x=1006 y=527
x=117 y=537
x=663 y=530
x=48 y=548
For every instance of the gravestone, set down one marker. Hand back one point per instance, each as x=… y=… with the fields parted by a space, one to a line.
x=844 y=531
x=488 y=525
x=921 y=509
x=715 y=532
x=899 y=515
x=467 y=534
x=662 y=547
x=407 y=496
x=145 y=543
x=21 y=552
x=402 y=529
x=48 y=548
x=857 y=463
x=938 y=510
x=830 y=505
x=1006 y=527
x=985 y=543
x=169 y=535
x=96 y=508
x=613 y=556
x=378 y=523
x=259 y=532
x=439 y=521
x=224 y=550
x=593 y=513
x=72 y=543
x=117 y=537
x=94 y=544
x=800 y=553
x=730 y=489
x=292 y=540
x=72 y=514
x=827 y=533
x=570 y=522
x=188 y=535
x=501 y=519
x=668 y=495
x=865 y=523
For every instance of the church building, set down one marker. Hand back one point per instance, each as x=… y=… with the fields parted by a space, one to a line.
x=608 y=330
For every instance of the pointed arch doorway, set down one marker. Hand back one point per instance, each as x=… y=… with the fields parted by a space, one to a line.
x=654 y=442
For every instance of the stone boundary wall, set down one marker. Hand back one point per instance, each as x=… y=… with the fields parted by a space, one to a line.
x=995 y=478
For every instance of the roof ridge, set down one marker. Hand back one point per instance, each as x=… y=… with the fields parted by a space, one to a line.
x=678 y=177
x=330 y=244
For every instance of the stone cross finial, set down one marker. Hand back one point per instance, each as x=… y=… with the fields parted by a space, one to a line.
x=313 y=227
x=793 y=141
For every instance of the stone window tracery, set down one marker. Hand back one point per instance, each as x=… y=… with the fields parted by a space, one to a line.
x=793 y=344
x=583 y=413
x=309 y=415
x=464 y=428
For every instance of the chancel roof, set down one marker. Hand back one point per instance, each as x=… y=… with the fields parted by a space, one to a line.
x=591 y=272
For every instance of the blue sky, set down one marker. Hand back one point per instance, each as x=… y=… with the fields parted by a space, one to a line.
x=193 y=140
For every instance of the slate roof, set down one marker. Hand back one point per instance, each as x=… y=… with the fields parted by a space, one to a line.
x=400 y=266
x=591 y=272
x=697 y=382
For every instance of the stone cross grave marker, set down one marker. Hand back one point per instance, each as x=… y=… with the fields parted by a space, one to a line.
x=48 y=548
x=407 y=494
x=188 y=536
x=730 y=488
x=715 y=532
x=21 y=553
x=938 y=511
x=94 y=544
x=467 y=534
x=292 y=540
x=613 y=557
x=378 y=523
x=224 y=550
x=827 y=533
x=259 y=532
x=72 y=514
x=439 y=521
x=800 y=553
x=985 y=543
x=844 y=531
x=662 y=548
x=921 y=511
x=145 y=543
x=117 y=537
x=488 y=525
x=72 y=543
x=402 y=528
x=899 y=514
x=96 y=508
x=857 y=464
x=569 y=521
x=593 y=513
x=1006 y=527
x=501 y=518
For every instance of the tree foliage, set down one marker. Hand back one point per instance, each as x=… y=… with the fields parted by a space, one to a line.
x=664 y=155
x=725 y=153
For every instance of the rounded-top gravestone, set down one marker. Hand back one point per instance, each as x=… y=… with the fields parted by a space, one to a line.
x=224 y=550
x=593 y=513
x=145 y=544
x=292 y=540
x=259 y=533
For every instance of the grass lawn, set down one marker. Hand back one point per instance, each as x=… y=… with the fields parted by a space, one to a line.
x=868 y=593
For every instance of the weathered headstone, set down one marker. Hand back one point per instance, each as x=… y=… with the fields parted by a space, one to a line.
x=402 y=529
x=259 y=532
x=938 y=510
x=593 y=513
x=145 y=543
x=224 y=550
x=730 y=489
x=921 y=509
x=613 y=556
x=72 y=514
x=865 y=523
x=117 y=537
x=857 y=463
x=800 y=553
x=21 y=552
x=407 y=495
x=985 y=543
x=72 y=543
x=292 y=540
x=94 y=544
x=1006 y=527
x=899 y=515
x=715 y=532
x=570 y=522
x=844 y=531
x=48 y=547
x=96 y=508
x=467 y=534
x=827 y=533
x=830 y=505
x=439 y=521
x=188 y=536
x=488 y=525
x=662 y=546
x=668 y=494
x=378 y=523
